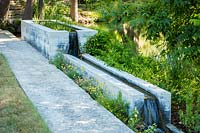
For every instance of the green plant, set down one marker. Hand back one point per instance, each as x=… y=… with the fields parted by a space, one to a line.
x=57 y=10
x=58 y=61
x=134 y=121
x=117 y=106
x=191 y=117
x=71 y=72
x=56 y=25
x=98 y=43
x=151 y=129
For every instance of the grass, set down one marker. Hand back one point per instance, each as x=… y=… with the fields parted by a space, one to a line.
x=17 y=113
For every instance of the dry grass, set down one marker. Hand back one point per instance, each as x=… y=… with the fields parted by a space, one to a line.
x=17 y=113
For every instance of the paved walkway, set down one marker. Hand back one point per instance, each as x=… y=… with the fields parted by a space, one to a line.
x=64 y=106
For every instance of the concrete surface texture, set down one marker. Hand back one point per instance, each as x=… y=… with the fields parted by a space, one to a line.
x=83 y=34
x=49 y=41
x=163 y=96
x=109 y=84
x=65 y=107
x=46 y=40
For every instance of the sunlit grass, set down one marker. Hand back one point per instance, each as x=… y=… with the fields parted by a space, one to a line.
x=17 y=113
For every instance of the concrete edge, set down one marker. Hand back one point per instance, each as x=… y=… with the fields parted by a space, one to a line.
x=10 y=35
x=163 y=96
x=42 y=27
x=109 y=84
x=173 y=129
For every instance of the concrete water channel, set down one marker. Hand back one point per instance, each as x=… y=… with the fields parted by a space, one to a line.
x=153 y=103
x=64 y=106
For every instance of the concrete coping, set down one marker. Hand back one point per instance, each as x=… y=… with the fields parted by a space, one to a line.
x=76 y=27
x=163 y=96
x=109 y=84
x=73 y=26
x=173 y=129
x=39 y=26
x=83 y=33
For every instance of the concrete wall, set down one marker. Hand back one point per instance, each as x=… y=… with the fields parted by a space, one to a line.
x=163 y=96
x=83 y=34
x=109 y=84
x=49 y=41
x=44 y=39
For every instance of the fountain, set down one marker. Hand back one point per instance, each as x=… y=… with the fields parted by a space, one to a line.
x=153 y=103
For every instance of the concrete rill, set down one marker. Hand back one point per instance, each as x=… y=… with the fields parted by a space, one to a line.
x=49 y=41
x=83 y=34
x=111 y=85
x=163 y=96
x=64 y=106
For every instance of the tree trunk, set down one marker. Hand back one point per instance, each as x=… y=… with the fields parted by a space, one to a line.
x=74 y=10
x=28 y=12
x=40 y=9
x=4 y=6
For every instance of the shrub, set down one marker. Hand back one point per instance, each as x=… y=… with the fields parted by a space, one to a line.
x=117 y=106
x=98 y=43
x=58 y=61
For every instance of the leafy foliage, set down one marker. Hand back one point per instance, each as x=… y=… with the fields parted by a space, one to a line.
x=157 y=71
x=58 y=61
x=100 y=41
x=57 y=10
x=117 y=106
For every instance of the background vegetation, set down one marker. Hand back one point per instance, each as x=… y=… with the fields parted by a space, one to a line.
x=174 y=28
x=156 y=40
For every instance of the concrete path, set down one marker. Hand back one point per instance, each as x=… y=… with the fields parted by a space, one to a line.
x=64 y=106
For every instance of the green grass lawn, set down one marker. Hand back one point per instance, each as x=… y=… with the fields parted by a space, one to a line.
x=17 y=113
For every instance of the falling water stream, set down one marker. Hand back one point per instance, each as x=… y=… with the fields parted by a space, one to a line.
x=150 y=112
x=73 y=44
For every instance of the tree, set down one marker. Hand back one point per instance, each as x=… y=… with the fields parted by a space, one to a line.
x=74 y=10
x=28 y=12
x=177 y=23
x=4 y=6
x=40 y=9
